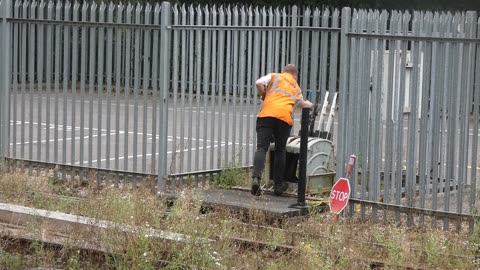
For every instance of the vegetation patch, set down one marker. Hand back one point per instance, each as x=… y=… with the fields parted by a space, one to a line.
x=230 y=176
x=205 y=241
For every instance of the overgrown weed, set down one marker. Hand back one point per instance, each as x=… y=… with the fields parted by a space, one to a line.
x=204 y=241
x=230 y=176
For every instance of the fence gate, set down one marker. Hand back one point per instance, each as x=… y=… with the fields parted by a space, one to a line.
x=217 y=55
x=409 y=111
x=83 y=88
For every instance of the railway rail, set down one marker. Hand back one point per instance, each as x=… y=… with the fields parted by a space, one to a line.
x=57 y=227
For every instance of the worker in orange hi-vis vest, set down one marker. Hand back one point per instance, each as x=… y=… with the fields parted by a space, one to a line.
x=280 y=94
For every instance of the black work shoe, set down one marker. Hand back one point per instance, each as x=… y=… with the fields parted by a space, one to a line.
x=278 y=189
x=256 y=191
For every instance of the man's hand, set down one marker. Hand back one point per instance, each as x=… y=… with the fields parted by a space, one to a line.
x=306 y=104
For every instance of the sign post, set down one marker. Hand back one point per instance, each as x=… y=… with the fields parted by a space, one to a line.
x=340 y=193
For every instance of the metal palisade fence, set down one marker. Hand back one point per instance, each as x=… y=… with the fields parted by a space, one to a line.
x=152 y=90
x=169 y=91
x=409 y=106
x=90 y=86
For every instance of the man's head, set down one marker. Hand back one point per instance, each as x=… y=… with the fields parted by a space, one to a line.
x=292 y=69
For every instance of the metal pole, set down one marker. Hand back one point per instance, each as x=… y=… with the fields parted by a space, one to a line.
x=5 y=87
x=302 y=181
x=164 y=89
x=294 y=41
x=343 y=92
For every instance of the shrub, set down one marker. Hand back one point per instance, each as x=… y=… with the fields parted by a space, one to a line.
x=229 y=177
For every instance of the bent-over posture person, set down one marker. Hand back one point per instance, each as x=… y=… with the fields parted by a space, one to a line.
x=280 y=94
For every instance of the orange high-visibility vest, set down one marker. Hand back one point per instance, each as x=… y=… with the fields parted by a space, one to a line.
x=282 y=93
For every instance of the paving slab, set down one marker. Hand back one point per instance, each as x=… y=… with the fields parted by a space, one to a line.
x=241 y=200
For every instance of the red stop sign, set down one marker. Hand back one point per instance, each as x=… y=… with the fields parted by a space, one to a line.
x=339 y=195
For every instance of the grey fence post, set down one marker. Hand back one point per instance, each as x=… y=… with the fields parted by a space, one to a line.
x=164 y=90
x=294 y=41
x=342 y=91
x=5 y=83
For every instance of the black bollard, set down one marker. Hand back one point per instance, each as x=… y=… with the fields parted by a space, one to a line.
x=302 y=179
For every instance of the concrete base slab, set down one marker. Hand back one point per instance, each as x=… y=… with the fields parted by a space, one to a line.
x=241 y=200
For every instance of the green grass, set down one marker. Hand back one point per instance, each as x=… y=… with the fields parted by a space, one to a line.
x=318 y=244
x=232 y=175
x=11 y=261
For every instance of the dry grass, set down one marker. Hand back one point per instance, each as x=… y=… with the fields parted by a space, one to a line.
x=317 y=243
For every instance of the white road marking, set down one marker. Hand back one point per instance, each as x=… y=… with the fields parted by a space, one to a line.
x=150 y=154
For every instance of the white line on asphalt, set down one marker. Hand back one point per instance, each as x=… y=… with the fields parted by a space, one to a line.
x=149 y=154
x=113 y=132
x=61 y=139
x=140 y=106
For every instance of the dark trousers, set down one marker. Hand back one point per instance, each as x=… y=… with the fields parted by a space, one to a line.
x=266 y=127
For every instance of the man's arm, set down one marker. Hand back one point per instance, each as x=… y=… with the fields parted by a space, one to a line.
x=261 y=83
x=261 y=89
x=305 y=104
